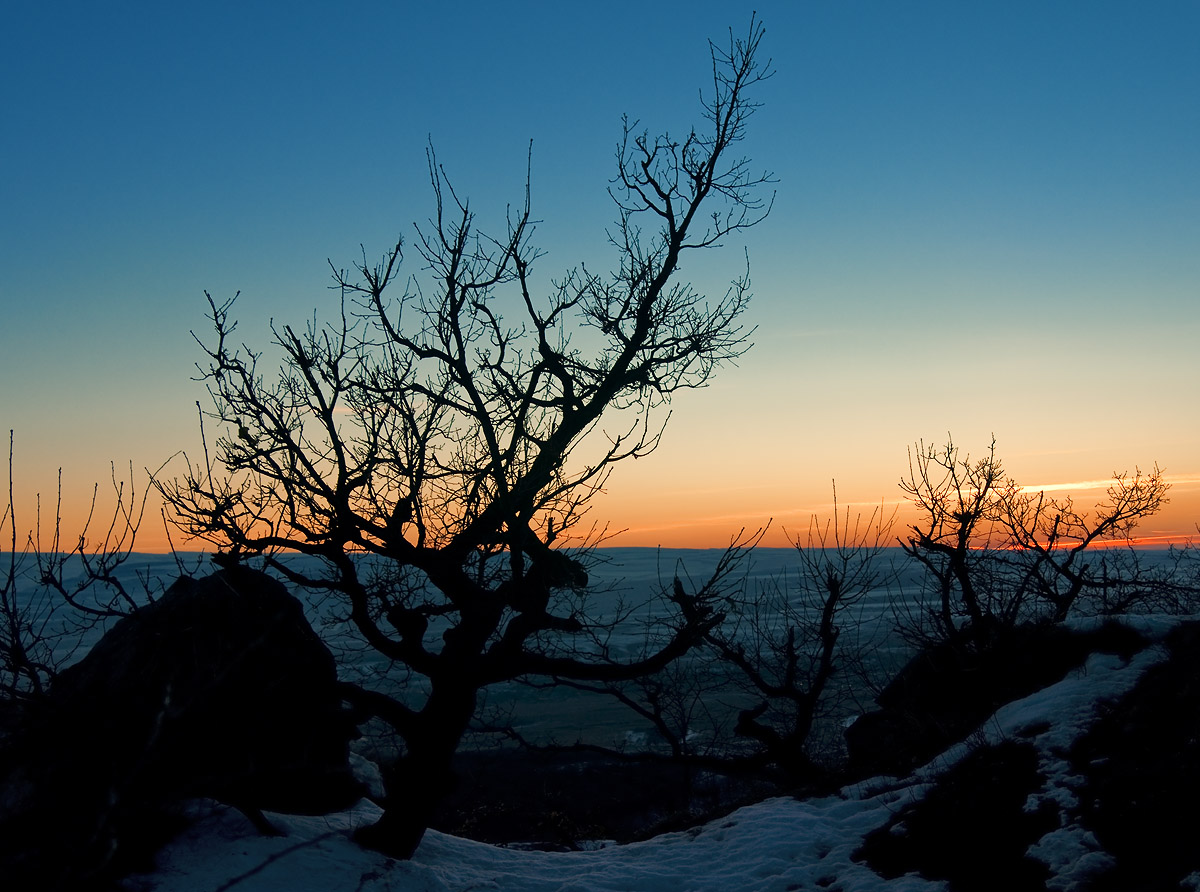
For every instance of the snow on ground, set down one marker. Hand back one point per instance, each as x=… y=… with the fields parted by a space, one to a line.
x=779 y=845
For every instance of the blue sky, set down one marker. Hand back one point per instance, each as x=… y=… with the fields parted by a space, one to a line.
x=987 y=220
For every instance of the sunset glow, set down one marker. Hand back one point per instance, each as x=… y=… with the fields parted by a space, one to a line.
x=986 y=224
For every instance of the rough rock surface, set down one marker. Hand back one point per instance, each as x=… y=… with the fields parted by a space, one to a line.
x=1141 y=765
x=947 y=690
x=219 y=689
x=975 y=815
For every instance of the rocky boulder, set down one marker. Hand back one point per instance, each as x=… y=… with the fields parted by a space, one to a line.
x=947 y=689
x=219 y=689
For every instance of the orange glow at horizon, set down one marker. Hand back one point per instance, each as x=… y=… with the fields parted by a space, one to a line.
x=635 y=516
x=635 y=524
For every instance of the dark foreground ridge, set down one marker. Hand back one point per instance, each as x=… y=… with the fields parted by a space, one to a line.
x=561 y=801
x=1139 y=777
x=1141 y=762
x=221 y=690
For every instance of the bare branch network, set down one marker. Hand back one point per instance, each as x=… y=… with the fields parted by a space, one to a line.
x=998 y=554
x=435 y=423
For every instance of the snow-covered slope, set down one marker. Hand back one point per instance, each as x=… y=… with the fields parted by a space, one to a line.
x=776 y=846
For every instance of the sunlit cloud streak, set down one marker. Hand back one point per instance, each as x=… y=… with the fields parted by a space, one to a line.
x=1179 y=480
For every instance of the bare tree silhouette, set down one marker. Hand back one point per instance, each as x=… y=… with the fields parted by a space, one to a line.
x=958 y=503
x=439 y=458
x=54 y=592
x=792 y=642
x=998 y=555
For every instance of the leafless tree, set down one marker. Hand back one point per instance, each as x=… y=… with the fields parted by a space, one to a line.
x=793 y=639
x=998 y=554
x=26 y=656
x=1056 y=541
x=54 y=593
x=438 y=457
x=958 y=503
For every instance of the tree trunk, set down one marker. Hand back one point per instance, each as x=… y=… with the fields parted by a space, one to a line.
x=424 y=776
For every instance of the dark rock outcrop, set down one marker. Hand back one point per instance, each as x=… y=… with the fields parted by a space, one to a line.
x=972 y=828
x=1141 y=765
x=948 y=689
x=220 y=689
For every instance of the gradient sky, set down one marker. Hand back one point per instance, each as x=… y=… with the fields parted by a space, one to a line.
x=987 y=222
